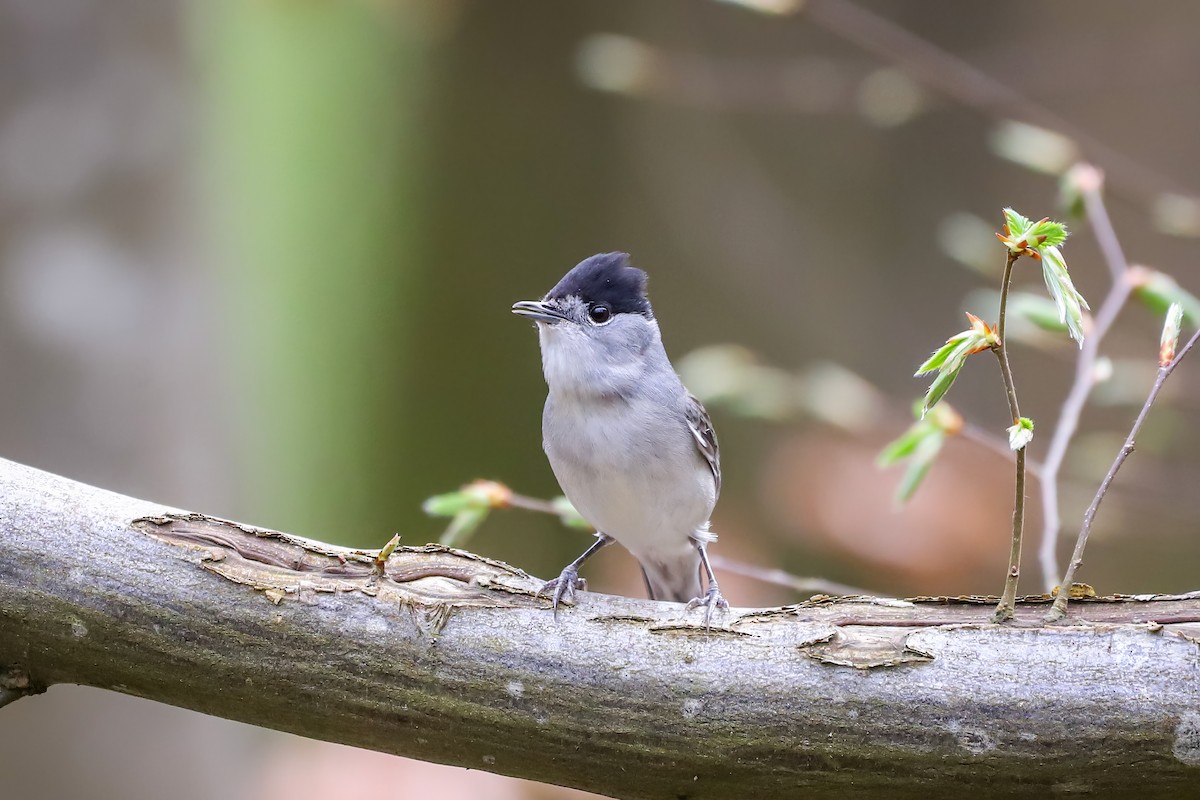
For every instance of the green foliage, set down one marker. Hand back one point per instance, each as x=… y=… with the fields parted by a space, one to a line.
x=919 y=446
x=1069 y=301
x=1041 y=240
x=1158 y=291
x=447 y=505
x=1170 y=335
x=919 y=465
x=1039 y=310
x=948 y=360
x=1015 y=223
x=1023 y=233
x=567 y=514
x=468 y=508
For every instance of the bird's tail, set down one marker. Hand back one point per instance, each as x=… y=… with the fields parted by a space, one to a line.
x=674 y=577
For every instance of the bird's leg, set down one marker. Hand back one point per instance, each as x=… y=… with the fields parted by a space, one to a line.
x=564 y=584
x=712 y=598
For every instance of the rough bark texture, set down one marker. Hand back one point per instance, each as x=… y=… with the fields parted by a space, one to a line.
x=450 y=658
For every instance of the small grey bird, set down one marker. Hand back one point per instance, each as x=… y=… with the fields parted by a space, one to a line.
x=632 y=449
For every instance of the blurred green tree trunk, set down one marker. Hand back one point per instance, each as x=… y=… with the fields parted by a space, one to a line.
x=316 y=142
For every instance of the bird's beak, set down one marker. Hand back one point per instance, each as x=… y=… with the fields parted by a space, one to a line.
x=538 y=311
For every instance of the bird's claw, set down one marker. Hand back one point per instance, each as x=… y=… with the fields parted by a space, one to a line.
x=563 y=587
x=712 y=599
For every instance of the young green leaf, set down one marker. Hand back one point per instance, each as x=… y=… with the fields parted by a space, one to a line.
x=1158 y=291
x=902 y=447
x=567 y=514
x=1017 y=224
x=463 y=526
x=1041 y=240
x=447 y=505
x=1066 y=297
x=919 y=445
x=947 y=352
x=951 y=356
x=1170 y=335
x=477 y=494
x=1041 y=311
x=919 y=465
x=941 y=384
x=1047 y=233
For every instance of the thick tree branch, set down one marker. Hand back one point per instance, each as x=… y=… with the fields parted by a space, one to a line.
x=449 y=658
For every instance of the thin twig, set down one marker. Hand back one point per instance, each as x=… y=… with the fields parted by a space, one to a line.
x=1008 y=600
x=1059 y=609
x=1010 y=387
x=781 y=578
x=1089 y=181
x=533 y=504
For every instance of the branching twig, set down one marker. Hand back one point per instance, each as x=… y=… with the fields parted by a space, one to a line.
x=1089 y=182
x=1059 y=610
x=533 y=504
x=1004 y=610
x=781 y=578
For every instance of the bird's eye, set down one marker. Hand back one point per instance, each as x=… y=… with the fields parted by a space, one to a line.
x=599 y=314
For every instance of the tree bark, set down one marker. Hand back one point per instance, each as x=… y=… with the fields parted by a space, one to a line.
x=450 y=657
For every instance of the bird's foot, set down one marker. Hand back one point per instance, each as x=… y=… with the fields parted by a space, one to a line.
x=563 y=587
x=711 y=600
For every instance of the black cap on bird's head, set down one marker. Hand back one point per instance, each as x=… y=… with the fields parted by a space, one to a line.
x=605 y=284
x=606 y=278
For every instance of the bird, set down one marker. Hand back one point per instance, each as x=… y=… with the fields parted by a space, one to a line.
x=633 y=450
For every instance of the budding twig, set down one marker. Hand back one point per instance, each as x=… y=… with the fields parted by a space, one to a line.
x=1008 y=600
x=1089 y=181
x=1059 y=609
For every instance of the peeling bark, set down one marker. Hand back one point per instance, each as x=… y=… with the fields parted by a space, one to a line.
x=450 y=657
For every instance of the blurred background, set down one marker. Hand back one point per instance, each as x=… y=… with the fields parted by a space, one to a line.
x=257 y=258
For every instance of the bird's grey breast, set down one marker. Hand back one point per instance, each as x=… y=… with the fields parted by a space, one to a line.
x=614 y=431
x=630 y=466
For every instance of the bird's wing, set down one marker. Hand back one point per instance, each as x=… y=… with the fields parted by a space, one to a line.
x=706 y=438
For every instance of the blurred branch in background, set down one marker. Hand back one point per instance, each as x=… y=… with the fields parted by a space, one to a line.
x=886 y=97
x=802 y=585
x=807 y=84
x=1174 y=212
x=1086 y=181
